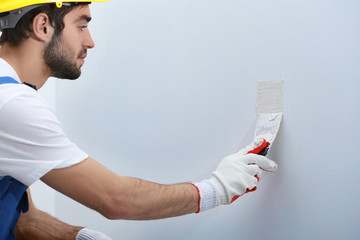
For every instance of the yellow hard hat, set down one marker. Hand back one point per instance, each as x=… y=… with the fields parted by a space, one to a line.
x=11 y=11
x=9 y=5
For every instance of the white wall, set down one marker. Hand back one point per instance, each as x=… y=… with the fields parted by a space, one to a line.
x=170 y=90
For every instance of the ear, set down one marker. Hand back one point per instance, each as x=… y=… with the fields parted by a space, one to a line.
x=42 y=28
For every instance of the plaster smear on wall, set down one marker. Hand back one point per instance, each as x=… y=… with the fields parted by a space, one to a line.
x=269 y=107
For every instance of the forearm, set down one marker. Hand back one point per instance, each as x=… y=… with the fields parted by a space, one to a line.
x=142 y=200
x=36 y=224
x=39 y=225
x=118 y=197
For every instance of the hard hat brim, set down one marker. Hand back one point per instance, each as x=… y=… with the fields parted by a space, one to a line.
x=10 y=5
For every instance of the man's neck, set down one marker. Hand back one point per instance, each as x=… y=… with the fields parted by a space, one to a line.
x=27 y=61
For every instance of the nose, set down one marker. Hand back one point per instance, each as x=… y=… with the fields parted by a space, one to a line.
x=89 y=42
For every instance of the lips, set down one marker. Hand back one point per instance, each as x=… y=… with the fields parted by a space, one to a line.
x=82 y=55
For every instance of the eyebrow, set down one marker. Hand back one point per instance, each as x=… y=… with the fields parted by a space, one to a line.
x=83 y=18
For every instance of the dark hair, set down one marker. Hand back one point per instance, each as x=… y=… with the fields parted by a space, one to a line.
x=15 y=36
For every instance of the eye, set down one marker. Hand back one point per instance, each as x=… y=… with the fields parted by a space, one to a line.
x=83 y=27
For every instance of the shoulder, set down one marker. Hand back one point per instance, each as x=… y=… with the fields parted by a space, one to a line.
x=32 y=140
x=21 y=98
x=25 y=112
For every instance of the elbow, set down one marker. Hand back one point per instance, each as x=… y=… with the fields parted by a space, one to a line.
x=116 y=201
x=114 y=209
x=112 y=215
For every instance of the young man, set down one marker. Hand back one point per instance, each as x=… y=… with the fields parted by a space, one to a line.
x=41 y=39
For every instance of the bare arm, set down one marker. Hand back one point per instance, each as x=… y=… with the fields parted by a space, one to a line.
x=118 y=197
x=36 y=224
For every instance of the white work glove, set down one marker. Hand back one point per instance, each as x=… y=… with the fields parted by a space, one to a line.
x=88 y=234
x=236 y=175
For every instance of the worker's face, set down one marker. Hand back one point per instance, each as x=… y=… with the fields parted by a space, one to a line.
x=66 y=53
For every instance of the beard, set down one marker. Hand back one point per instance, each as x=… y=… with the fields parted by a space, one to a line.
x=59 y=57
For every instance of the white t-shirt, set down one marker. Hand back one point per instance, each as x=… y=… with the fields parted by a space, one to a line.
x=32 y=141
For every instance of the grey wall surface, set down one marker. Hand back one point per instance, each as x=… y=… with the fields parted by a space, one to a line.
x=170 y=90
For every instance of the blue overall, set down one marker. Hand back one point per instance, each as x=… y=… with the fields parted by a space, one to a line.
x=13 y=197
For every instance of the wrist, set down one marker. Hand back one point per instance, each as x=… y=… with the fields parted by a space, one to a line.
x=88 y=234
x=207 y=195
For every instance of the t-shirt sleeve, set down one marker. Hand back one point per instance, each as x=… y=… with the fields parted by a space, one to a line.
x=32 y=141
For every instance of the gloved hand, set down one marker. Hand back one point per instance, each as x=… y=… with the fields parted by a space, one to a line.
x=88 y=234
x=236 y=175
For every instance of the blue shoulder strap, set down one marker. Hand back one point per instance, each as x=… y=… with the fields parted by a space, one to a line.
x=4 y=80
x=13 y=197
